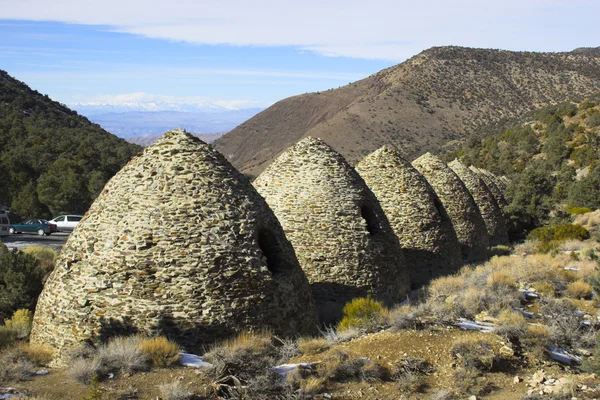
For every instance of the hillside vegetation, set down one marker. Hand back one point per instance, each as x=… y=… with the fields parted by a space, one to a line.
x=435 y=98
x=52 y=160
x=552 y=158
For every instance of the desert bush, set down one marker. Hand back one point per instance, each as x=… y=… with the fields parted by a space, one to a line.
x=474 y=353
x=364 y=314
x=340 y=366
x=404 y=317
x=123 y=354
x=313 y=345
x=526 y=248
x=20 y=322
x=7 y=336
x=334 y=336
x=579 y=289
x=245 y=356
x=410 y=374
x=564 y=324
x=174 y=391
x=160 y=351
x=39 y=354
x=83 y=370
x=15 y=365
x=573 y=210
x=446 y=286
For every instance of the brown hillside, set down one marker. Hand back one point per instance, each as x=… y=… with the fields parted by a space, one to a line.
x=435 y=97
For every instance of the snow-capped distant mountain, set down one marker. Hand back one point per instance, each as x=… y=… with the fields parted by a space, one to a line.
x=142 y=123
x=140 y=101
x=89 y=109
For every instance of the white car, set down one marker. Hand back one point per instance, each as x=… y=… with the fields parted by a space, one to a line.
x=4 y=224
x=66 y=222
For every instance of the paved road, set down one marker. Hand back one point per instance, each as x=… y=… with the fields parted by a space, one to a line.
x=21 y=240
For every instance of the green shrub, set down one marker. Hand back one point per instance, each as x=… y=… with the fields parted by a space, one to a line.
x=21 y=281
x=7 y=336
x=573 y=210
x=363 y=313
x=46 y=257
x=549 y=237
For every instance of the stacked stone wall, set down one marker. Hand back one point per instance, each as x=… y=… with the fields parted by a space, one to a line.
x=468 y=223
x=416 y=215
x=178 y=243
x=341 y=236
x=489 y=181
x=488 y=207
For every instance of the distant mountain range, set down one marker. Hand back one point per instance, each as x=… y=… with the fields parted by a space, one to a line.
x=436 y=98
x=144 y=123
x=147 y=140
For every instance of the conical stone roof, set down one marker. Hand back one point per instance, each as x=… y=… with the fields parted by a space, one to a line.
x=488 y=179
x=180 y=243
x=341 y=235
x=465 y=216
x=415 y=213
x=489 y=209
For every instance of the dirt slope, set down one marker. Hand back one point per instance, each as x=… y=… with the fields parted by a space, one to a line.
x=438 y=96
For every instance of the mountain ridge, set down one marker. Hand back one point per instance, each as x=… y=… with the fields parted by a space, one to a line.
x=430 y=100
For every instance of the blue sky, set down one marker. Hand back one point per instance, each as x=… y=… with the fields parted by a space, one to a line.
x=239 y=54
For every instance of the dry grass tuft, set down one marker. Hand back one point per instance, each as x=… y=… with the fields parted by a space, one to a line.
x=160 y=351
x=501 y=279
x=15 y=365
x=245 y=356
x=340 y=366
x=39 y=354
x=174 y=391
x=312 y=385
x=579 y=289
x=311 y=346
x=511 y=324
x=123 y=354
x=84 y=370
x=446 y=286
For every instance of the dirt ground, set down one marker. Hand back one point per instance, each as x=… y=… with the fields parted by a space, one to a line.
x=384 y=348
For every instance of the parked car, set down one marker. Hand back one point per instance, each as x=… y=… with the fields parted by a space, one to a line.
x=66 y=222
x=4 y=223
x=40 y=226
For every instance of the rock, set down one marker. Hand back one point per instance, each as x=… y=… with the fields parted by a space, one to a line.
x=506 y=352
x=473 y=397
x=517 y=379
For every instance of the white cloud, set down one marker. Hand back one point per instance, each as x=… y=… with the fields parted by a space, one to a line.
x=382 y=29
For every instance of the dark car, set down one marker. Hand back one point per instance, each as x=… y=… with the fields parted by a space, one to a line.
x=40 y=226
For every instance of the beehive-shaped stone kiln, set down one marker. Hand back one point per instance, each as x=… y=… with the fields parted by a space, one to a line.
x=177 y=243
x=488 y=179
x=341 y=236
x=489 y=209
x=459 y=204
x=415 y=213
